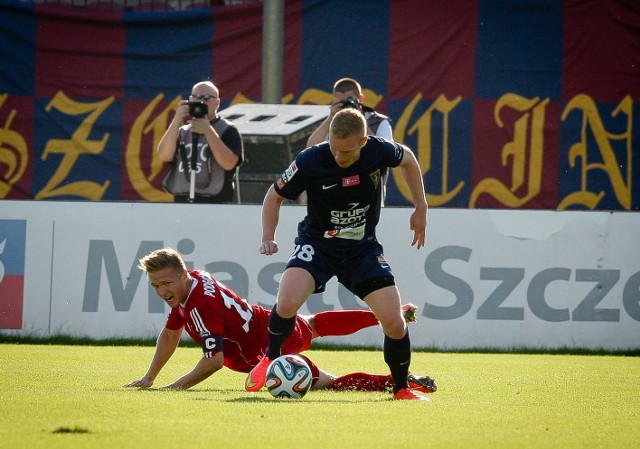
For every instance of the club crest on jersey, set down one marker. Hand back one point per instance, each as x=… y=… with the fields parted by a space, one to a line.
x=375 y=177
x=351 y=181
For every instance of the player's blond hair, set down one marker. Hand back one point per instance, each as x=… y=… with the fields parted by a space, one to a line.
x=160 y=259
x=348 y=122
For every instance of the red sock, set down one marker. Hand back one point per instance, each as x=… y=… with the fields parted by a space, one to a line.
x=343 y=322
x=363 y=382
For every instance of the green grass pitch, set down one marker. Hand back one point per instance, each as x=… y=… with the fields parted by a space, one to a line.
x=56 y=396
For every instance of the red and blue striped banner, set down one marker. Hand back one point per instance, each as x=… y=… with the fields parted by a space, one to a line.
x=524 y=105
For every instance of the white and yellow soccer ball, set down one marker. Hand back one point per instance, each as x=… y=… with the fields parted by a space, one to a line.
x=289 y=376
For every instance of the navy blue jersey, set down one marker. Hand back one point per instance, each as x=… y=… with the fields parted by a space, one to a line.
x=342 y=203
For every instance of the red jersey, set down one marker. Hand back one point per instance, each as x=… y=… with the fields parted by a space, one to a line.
x=219 y=320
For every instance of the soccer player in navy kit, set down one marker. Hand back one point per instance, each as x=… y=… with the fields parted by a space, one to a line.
x=342 y=180
x=233 y=333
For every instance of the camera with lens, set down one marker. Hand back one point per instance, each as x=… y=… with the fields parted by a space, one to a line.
x=198 y=109
x=350 y=102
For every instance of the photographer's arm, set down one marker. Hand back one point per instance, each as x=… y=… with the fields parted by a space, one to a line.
x=223 y=155
x=320 y=134
x=167 y=146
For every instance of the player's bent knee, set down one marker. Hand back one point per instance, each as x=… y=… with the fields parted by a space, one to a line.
x=395 y=330
x=286 y=308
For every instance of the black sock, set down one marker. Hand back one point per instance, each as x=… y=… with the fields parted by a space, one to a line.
x=279 y=330
x=397 y=354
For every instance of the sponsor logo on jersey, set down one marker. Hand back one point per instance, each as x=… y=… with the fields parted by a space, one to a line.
x=351 y=217
x=351 y=181
x=290 y=172
x=355 y=233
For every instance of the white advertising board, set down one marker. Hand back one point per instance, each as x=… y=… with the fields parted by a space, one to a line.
x=486 y=279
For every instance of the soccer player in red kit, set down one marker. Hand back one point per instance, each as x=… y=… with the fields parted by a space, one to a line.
x=232 y=332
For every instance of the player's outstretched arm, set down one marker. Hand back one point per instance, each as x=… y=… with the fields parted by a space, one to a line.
x=270 y=219
x=203 y=370
x=412 y=174
x=165 y=347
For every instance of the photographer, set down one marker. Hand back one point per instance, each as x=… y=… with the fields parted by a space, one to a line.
x=219 y=149
x=347 y=93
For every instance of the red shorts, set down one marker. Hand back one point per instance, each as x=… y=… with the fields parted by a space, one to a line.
x=300 y=340
x=243 y=355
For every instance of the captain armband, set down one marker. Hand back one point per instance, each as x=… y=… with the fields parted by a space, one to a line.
x=211 y=344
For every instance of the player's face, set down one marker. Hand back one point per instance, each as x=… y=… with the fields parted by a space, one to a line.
x=346 y=151
x=171 y=286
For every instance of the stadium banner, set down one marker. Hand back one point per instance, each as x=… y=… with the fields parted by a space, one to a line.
x=486 y=278
x=515 y=105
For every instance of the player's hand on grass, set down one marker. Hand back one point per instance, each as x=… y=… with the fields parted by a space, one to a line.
x=143 y=382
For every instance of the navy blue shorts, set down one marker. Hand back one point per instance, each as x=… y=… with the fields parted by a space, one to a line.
x=362 y=269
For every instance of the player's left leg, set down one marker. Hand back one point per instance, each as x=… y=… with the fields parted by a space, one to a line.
x=321 y=379
x=385 y=303
x=360 y=381
x=325 y=380
x=300 y=340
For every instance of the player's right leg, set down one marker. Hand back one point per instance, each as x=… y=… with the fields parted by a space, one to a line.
x=295 y=287
x=335 y=323
x=325 y=380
